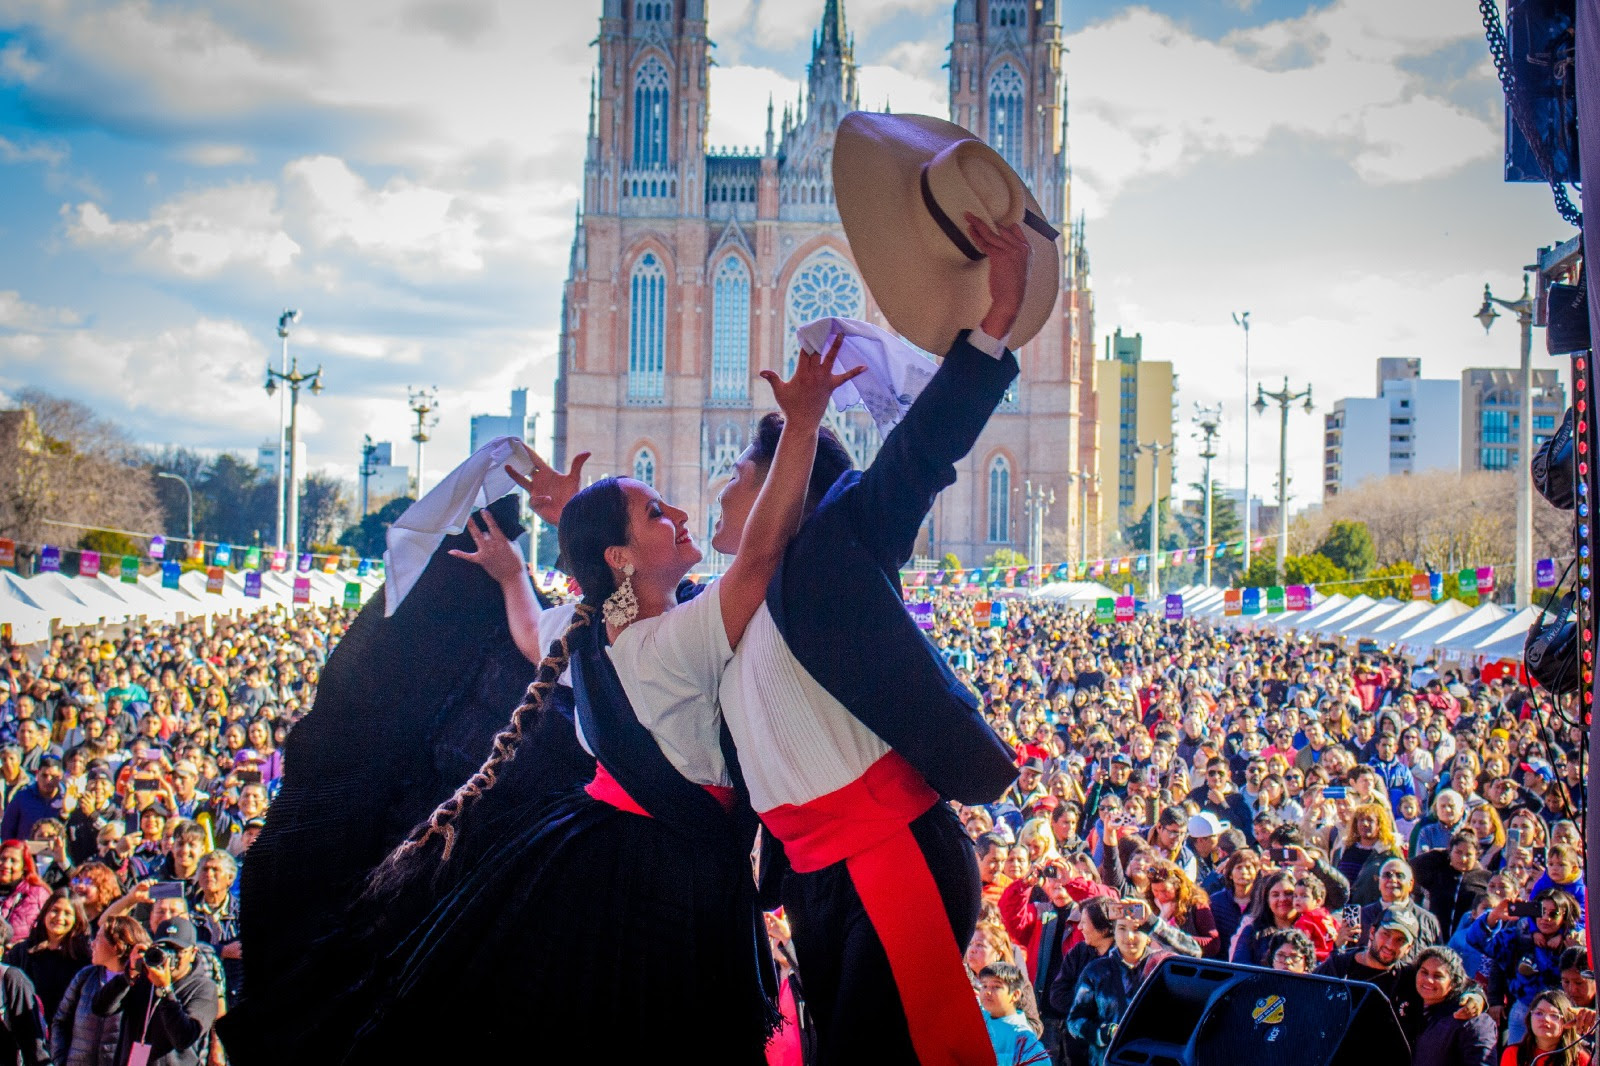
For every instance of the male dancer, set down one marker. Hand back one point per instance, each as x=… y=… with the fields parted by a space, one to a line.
x=849 y=725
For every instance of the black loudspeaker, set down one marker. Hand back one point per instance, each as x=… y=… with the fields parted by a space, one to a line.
x=1199 y=1013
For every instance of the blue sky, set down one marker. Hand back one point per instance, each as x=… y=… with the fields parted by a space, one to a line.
x=172 y=175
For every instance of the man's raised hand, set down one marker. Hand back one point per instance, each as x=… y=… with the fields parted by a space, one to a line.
x=548 y=488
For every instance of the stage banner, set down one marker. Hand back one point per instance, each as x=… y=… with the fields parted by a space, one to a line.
x=922 y=614
x=1174 y=607
x=1124 y=609
x=302 y=590
x=50 y=558
x=1250 y=602
x=980 y=614
x=89 y=564
x=1275 y=599
x=1467 y=583
x=1420 y=588
x=280 y=560
x=352 y=595
x=1105 y=610
x=1233 y=603
x=214 y=580
x=171 y=571
x=158 y=547
x=252 y=584
x=130 y=569
x=1544 y=573
x=1297 y=597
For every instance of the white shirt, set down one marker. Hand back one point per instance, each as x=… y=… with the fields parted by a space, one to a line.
x=671 y=667
x=796 y=741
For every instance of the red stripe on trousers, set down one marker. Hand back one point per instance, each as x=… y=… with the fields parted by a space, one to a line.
x=866 y=825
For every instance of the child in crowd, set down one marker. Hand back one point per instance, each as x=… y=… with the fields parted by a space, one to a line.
x=1310 y=895
x=999 y=989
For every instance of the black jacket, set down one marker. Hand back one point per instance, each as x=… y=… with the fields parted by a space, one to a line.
x=837 y=601
x=1450 y=894
x=1446 y=1041
x=180 y=1026
x=23 y=1033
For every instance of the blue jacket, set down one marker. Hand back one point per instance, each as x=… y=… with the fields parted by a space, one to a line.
x=26 y=808
x=836 y=598
x=1014 y=1043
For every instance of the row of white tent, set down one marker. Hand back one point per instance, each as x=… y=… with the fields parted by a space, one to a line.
x=1450 y=631
x=37 y=607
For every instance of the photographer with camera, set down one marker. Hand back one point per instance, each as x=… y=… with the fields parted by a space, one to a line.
x=167 y=1004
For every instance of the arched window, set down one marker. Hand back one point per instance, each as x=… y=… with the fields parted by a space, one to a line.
x=652 y=10
x=730 y=331
x=651 y=96
x=647 y=329
x=1005 y=115
x=825 y=286
x=999 y=501
x=1004 y=13
x=644 y=467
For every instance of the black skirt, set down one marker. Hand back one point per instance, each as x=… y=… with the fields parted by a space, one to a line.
x=579 y=929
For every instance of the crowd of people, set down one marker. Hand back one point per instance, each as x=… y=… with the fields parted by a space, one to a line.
x=136 y=768
x=1253 y=796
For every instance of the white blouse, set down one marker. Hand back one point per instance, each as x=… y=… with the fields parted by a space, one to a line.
x=671 y=667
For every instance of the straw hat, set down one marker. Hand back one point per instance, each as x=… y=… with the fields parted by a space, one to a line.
x=904 y=184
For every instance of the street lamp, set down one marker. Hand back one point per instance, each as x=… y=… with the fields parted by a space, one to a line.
x=424 y=402
x=1209 y=419
x=1154 y=450
x=1283 y=399
x=293 y=379
x=285 y=320
x=1522 y=307
x=1242 y=320
x=1037 y=502
x=190 y=493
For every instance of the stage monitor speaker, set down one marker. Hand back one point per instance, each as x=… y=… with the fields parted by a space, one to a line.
x=1192 y=1012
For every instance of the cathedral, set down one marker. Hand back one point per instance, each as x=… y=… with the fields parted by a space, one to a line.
x=690 y=271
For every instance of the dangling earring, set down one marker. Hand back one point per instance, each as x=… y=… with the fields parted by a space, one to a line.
x=622 y=606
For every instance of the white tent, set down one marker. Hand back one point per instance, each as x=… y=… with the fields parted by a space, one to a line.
x=28 y=621
x=1504 y=639
x=1438 y=614
x=108 y=607
x=1357 y=623
x=63 y=608
x=1395 y=621
x=1065 y=593
x=1424 y=642
x=1307 y=621
x=142 y=602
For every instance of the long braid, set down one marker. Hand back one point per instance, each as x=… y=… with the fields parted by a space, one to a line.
x=442 y=822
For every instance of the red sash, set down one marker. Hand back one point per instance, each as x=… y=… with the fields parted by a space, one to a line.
x=604 y=788
x=866 y=825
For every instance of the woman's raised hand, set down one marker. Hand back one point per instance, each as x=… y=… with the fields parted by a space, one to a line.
x=803 y=399
x=498 y=556
x=548 y=488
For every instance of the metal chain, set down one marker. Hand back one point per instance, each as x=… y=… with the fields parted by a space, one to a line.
x=1498 y=49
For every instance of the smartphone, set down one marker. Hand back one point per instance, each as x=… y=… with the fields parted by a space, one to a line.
x=1523 y=909
x=147 y=784
x=248 y=777
x=1334 y=792
x=1152 y=776
x=1513 y=838
x=1114 y=911
x=1281 y=855
x=1134 y=912
x=166 y=890
x=38 y=847
x=1350 y=917
x=1105 y=765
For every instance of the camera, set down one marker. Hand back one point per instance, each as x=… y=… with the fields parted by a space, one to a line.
x=163 y=958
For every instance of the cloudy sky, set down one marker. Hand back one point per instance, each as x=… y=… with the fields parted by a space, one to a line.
x=405 y=172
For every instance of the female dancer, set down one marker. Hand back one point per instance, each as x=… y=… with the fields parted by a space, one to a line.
x=632 y=896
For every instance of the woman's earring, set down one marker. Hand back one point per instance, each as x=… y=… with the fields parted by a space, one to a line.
x=622 y=606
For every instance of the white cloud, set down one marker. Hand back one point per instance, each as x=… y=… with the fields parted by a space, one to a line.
x=216 y=155
x=739 y=104
x=32 y=152
x=18 y=314
x=198 y=234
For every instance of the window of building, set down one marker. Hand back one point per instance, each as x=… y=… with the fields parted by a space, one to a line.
x=1496 y=427
x=1004 y=13
x=1544 y=422
x=730 y=332
x=1005 y=115
x=999 y=501
x=647 y=329
x=825 y=286
x=651 y=96
x=1496 y=458
x=652 y=10
x=644 y=467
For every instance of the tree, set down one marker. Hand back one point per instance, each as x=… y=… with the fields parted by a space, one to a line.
x=369 y=537
x=1313 y=569
x=1006 y=557
x=233 y=502
x=1263 y=572
x=1391 y=580
x=950 y=561
x=323 y=504
x=1348 y=546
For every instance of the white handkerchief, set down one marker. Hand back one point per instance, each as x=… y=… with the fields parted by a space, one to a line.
x=417 y=534
x=896 y=374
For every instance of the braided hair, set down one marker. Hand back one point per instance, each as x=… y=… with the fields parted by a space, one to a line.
x=595 y=519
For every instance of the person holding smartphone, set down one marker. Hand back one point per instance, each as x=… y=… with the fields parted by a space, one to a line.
x=1109 y=983
x=1523 y=951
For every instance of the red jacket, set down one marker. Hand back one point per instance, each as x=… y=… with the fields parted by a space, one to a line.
x=1024 y=918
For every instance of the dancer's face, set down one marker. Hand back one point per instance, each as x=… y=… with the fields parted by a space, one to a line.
x=659 y=545
x=736 y=499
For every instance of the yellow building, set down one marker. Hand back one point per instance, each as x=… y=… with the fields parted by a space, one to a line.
x=1136 y=401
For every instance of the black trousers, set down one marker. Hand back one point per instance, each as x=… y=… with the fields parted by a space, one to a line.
x=850 y=990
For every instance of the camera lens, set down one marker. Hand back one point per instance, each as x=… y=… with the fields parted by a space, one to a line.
x=155 y=955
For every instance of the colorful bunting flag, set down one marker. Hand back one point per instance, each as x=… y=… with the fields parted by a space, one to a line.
x=50 y=558
x=252 y=584
x=130 y=569
x=171 y=571
x=214 y=580
x=89 y=564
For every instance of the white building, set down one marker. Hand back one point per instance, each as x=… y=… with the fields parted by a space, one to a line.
x=519 y=423
x=267 y=458
x=385 y=480
x=1412 y=426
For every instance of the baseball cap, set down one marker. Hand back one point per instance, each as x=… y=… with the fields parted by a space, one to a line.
x=1206 y=824
x=176 y=933
x=1401 y=919
x=1035 y=764
x=1122 y=758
